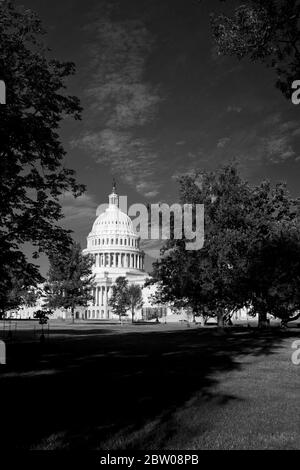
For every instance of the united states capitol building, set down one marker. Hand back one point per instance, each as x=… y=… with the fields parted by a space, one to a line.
x=115 y=247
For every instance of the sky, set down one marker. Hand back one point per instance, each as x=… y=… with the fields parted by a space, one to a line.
x=159 y=102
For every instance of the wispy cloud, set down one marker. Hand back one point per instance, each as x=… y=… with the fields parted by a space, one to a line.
x=122 y=101
x=79 y=213
x=223 y=142
x=234 y=109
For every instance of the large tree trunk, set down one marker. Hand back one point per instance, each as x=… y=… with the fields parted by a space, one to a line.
x=262 y=320
x=220 y=318
x=132 y=315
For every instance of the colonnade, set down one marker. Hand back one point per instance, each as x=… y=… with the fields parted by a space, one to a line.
x=100 y=296
x=119 y=260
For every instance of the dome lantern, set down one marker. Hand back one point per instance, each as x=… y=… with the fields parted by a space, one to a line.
x=113 y=197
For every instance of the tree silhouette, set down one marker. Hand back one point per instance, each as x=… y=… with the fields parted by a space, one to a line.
x=251 y=253
x=119 y=300
x=263 y=31
x=135 y=298
x=33 y=176
x=70 y=280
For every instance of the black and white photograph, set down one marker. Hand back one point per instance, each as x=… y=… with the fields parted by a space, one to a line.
x=149 y=230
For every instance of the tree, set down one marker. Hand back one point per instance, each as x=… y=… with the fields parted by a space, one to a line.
x=135 y=298
x=205 y=280
x=70 y=280
x=33 y=176
x=119 y=300
x=19 y=292
x=276 y=287
x=273 y=256
x=273 y=272
x=264 y=31
x=249 y=232
x=42 y=316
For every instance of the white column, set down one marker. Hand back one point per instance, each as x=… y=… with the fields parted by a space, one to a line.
x=106 y=302
x=115 y=260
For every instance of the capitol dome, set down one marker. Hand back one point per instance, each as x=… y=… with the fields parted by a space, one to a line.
x=113 y=228
x=113 y=221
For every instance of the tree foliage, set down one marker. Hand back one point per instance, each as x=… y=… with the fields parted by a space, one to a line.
x=135 y=298
x=19 y=292
x=264 y=31
x=248 y=233
x=119 y=297
x=33 y=175
x=42 y=316
x=70 y=279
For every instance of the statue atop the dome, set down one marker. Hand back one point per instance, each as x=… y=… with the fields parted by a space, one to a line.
x=113 y=198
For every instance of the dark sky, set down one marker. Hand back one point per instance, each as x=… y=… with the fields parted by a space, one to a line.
x=159 y=102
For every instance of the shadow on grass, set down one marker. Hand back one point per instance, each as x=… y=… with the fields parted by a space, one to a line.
x=88 y=390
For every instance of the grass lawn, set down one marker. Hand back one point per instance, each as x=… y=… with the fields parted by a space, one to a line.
x=150 y=387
